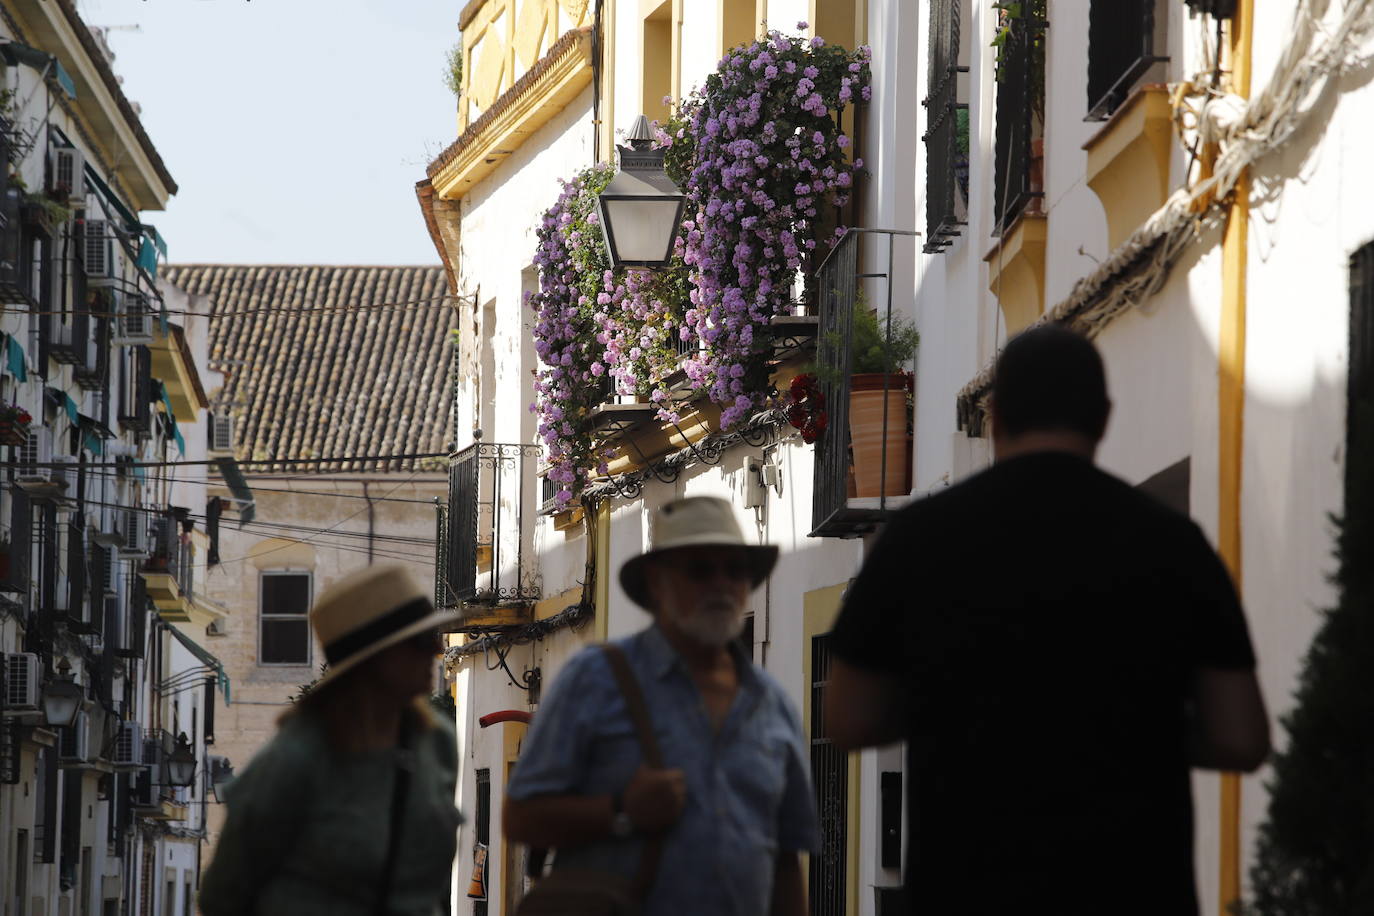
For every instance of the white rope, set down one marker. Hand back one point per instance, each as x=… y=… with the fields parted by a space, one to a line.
x=1244 y=132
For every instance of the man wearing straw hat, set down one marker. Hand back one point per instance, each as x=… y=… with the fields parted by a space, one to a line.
x=732 y=807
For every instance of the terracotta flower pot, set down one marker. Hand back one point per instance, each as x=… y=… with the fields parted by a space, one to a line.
x=867 y=439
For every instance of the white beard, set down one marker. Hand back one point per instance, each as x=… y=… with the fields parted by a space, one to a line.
x=711 y=628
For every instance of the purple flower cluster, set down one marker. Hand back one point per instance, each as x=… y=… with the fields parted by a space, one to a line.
x=565 y=387
x=760 y=154
x=762 y=157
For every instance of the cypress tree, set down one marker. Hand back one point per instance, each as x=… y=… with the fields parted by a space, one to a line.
x=1315 y=852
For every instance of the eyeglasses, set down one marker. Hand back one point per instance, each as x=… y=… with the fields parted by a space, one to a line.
x=709 y=569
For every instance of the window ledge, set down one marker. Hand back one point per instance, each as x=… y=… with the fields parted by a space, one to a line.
x=1128 y=161
x=1016 y=270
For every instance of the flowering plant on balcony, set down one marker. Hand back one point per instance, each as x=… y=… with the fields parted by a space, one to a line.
x=759 y=150
x=13 y=414
x=761 y=153
x=592 y=324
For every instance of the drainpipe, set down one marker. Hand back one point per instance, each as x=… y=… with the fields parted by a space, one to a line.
x=1230 y=420
x=370 y=522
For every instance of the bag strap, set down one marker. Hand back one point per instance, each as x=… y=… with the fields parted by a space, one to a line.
x=405 y=765
x=639 y=714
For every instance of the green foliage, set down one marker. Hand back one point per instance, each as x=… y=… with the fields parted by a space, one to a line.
x=1034 y=13
x=306 y=688
x=453 y=69
x=877 y=345
x=1315 y=851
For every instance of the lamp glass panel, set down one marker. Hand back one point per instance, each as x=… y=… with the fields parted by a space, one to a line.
x=643 y=229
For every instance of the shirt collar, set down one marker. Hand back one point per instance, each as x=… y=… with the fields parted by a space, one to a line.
x=661 y=658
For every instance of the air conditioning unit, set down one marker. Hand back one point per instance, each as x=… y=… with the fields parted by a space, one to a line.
x=134 y=325
x=221 y=432
x=66 y=173
x=75 y=743
x=34 y=457
x=21 y=683
x=102 y=262
x=127 y=752
x=135 y=534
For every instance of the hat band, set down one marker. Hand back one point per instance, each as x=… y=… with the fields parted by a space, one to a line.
x=356 y=640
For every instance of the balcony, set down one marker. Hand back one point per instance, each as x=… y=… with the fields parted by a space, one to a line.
x=485 y=555
x=863 y=453
x=167 y=572
x=173 y=363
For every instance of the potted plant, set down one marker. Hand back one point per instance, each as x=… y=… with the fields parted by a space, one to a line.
x=879 y=386
x=14 y=424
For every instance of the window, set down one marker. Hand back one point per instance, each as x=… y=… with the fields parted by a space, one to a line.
x=947 y=129
x=658 y=61
x=1020 y=114
x=1125 y=38
x=738 y=23
x=483 y=826
x=284 y=632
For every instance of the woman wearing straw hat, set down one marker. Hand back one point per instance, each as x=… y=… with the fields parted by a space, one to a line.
x=349 y=808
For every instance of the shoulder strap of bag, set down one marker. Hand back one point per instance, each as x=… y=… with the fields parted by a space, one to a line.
x=639 y=714
x=405 y=765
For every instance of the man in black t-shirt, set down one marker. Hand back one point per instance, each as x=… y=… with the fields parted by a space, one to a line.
x=1057 y=649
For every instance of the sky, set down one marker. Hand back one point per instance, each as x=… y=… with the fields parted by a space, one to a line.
x=295 y=129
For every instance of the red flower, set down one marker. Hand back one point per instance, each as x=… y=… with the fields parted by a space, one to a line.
x=807 y=410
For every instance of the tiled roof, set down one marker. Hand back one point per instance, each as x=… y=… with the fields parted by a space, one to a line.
x=311 y=374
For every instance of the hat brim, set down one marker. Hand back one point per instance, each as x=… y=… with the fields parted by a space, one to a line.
x=762 y=558
x=431 y=622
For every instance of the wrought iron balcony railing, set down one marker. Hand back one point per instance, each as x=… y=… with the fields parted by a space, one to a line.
x=486 y=544
x=838 y=508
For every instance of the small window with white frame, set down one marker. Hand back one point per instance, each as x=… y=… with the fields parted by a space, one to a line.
x=283 y=628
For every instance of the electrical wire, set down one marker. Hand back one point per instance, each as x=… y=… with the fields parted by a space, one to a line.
x=402 y=305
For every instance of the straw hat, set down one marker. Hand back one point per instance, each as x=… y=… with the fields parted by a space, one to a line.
x=368 y=611
x=697 y=521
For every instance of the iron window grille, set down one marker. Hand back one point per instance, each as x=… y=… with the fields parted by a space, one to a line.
x=947 y=159
x=491 y=503
x=1124 y=40
x=829 y=870
x=838 y=290
x=1019 y=83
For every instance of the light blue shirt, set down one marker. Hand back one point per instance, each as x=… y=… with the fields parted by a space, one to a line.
x=749 y=792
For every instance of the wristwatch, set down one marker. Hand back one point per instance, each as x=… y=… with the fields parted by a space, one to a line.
x=621 y=825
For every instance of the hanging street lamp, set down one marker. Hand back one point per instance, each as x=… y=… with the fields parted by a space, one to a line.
x=181 y=763
x=62 y=697
x=641 y=208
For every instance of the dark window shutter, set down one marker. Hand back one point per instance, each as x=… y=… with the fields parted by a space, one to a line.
x=212 y=513
x=947 y=159
x=47 y=841
x=76 y=568
x=1012 y=189
x=21 y=539
x=209 y=710
x=138 y=616
x=1121 y=47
